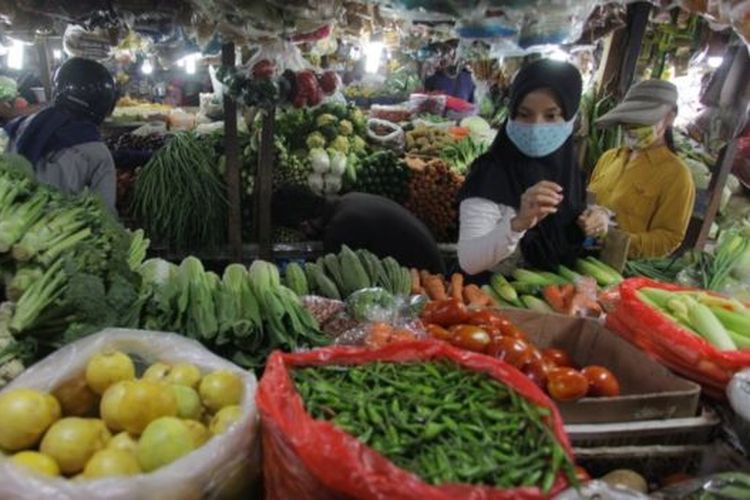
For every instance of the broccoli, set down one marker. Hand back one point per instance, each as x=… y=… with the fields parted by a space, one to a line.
x=346 y=128
x=325 y=119
x=315 y=140
x=341 y=144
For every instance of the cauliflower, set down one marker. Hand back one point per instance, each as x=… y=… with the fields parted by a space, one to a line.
x=358 y=145
x=346 y=128
x=325 y=119
x=340 y=143
x=315 y=140
x=10 y=370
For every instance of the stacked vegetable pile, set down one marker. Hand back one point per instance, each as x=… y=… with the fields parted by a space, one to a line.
x=433 y=195
x=461 y=154
x=385 y=174
x=438 y=421
x=569 y=292
x=320 y=148
x=428 y=141
x=725 y=323
x=489 y=332
x=338 y=277
x=169 y=412
x=66 y=266
x=180 y=195
x=241 y=316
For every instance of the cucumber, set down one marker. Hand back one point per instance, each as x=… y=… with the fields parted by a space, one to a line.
x=537 y=305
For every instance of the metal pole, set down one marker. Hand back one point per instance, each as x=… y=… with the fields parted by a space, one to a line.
x=232 y=152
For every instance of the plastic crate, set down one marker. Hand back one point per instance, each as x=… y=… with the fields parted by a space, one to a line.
x=674 y=431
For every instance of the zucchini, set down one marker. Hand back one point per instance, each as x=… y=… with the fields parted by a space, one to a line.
x=353 y=273
x=333 y=269
x=503 y=289
x=526 y=288
x=709 y=326
x=602 y=277
x=558 y=280
x=568 y=274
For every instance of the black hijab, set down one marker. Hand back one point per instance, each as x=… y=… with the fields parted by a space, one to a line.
x=504 y=173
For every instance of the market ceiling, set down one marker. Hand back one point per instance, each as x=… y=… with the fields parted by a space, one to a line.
x=251 y=21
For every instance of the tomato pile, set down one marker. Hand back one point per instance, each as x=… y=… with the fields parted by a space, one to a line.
x=490 y=332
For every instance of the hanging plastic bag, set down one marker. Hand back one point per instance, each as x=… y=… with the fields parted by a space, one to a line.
x=276 y=57
x=224 y=467
x=739 y=16
x=95 y=44
x=683 y=352
x=307 y=458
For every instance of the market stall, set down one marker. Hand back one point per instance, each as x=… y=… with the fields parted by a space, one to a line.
x=374 y=379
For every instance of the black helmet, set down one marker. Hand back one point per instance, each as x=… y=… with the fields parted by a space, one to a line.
x=85 y=88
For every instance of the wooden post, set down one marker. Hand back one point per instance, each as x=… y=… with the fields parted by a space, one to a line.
x=715 y=187
x=232 y=152
x=264 y=186
x=621 y=52
x=45 y=73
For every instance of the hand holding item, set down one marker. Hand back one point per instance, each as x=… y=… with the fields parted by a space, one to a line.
x=537 y=202
x=594 y=221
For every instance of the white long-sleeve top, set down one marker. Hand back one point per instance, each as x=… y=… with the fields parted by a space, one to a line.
x=485 y=236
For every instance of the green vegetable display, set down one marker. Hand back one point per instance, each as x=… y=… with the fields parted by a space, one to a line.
x=439 y=421
x=460 y=155
x=339 y=276
x=242 y=316
x=180 y=196
x=384 y=174
x=67 y=267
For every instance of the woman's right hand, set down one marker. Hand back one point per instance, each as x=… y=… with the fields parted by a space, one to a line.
x=539 y=201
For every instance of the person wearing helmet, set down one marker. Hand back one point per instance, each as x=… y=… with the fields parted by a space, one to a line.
x=62 y=142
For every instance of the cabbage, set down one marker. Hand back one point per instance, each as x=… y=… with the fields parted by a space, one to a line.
x=338 y=163
x=8 y=88
x=477 y=125
x=315 y=183
x=331 y=183
x=319 y=160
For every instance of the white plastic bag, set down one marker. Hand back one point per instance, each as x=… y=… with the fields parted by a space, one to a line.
x=221 y=468
x=394 y=139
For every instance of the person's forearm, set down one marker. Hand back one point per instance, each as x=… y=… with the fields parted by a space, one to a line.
x=482 y=253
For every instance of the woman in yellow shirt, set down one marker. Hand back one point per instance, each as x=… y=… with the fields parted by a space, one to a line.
x=647 y=187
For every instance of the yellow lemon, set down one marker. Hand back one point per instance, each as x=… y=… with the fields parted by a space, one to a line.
x=72 y=441
x=25 y=414
x=108 y=368
x=219 y=389
x=109 y=462
x=36 y=462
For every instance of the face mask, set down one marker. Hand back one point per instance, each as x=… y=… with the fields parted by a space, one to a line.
x=640 y=138
x=539 y=139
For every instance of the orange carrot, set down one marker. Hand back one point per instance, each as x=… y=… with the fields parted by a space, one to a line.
x=435 y=287
x=457 y=285
x=474 y=296
x=415 y=282
x=568 y=292
x=554 y=298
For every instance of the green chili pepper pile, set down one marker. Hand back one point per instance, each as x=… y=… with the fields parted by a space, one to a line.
x=439 y=421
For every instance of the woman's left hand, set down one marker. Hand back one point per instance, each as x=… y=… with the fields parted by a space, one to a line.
x=594 y=221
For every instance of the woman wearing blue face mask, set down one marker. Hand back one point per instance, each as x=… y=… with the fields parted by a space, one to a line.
x=523 y=199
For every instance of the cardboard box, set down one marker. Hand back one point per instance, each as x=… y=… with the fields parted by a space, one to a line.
x=648 y=391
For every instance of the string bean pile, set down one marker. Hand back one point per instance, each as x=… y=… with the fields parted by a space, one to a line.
x=180 y=195
x=439 y=421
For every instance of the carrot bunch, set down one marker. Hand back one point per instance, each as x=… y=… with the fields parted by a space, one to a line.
x=436 y=287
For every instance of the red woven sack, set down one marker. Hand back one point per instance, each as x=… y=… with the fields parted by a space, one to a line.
x=305 y=458
x=681 y=351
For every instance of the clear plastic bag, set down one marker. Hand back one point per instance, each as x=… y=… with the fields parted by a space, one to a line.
x=394 y=139
x=282 y=55
x=224 y=467
x=95 y=44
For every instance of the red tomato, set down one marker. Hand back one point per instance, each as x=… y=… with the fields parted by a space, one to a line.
x=487 y=317
x=567 y=384
x=513 y=351
x=438 y=332
x=557 y=357
x=538 y=371
x=470 y=337
x=445 y=312
x=582 y=474
x=602 y=382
